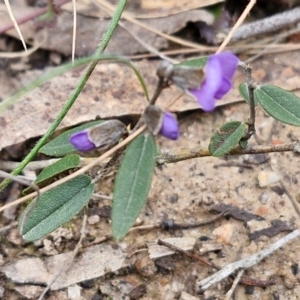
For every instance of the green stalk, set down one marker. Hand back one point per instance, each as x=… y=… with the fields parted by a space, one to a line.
x=103 y=44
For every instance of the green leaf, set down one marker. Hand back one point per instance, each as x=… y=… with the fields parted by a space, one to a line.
x=132 y=183
x=60 y=146
x=196 y=62
x=243 y=89
x=282 y=105
x=226 y=138
x=55 y=207
x=66 y=163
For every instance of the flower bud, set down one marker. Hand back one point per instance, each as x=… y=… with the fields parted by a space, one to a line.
x=158 y=121
x=170 y=128
x=103 y=136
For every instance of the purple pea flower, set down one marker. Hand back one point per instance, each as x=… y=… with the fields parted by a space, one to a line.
x=219 y=71
x=81 y=141
x=169 y=127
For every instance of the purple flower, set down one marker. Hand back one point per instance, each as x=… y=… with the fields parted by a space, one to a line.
x=81 y=141
x=219 y=71
x=169 y=128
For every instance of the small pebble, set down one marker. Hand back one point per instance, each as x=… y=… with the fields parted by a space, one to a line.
x=92 y=220
x=264 y=197
x=267 y=178
x=74 y=292
x=224 y=233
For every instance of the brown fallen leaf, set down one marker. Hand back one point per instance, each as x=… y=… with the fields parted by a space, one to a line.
x=92 y=29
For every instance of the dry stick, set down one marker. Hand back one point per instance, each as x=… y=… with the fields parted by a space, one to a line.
x=267 y=25
x=69 y=263
x=236 y=25
x=183 y=154
x=244 y=280
x=188 y=254
x=79 y=172
x=245 y=263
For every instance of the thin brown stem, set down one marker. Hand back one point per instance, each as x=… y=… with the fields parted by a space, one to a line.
x=168 y=157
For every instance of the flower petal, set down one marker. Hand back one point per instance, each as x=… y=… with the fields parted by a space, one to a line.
x=80 y=140
x=210 y=87
x=170 y=128
x=228 y=63
x=205 y=97
x=223 y=89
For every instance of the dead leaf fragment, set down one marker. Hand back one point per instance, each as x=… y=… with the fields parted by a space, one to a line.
x=42 y=272
x=277 y=227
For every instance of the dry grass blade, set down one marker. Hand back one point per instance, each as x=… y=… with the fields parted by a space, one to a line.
x=236 y=25
x=74 y=29
x=129 y=18
x=15 y=23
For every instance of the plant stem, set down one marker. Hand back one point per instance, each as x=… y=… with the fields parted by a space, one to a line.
x=251 y=87
x=168 y=157
x=103 y=44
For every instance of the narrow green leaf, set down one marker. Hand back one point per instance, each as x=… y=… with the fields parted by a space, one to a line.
x=196 y=62
x=282 y=105
x=132 y=183
x=226 y=138
x=56 y=207
x=60 y=146
x=66 y=163
x=243 y=89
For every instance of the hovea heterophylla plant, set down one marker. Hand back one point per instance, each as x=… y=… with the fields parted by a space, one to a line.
x=206 y=80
